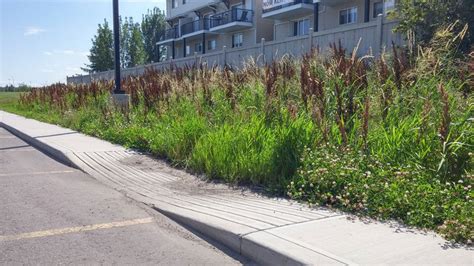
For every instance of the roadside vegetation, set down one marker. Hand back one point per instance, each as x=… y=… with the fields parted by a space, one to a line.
x=9 y=100
x=389 y=138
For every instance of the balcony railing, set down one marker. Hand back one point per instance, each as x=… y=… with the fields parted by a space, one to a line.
x=233 y=15
x=272 y=5
x=194 y=26
x=170 y=34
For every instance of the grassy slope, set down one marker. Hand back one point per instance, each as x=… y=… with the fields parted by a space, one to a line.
x=403 y=149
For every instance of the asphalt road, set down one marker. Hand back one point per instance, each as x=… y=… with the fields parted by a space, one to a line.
x=54 y=214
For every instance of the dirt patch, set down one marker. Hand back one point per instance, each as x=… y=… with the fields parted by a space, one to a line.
x=183 y=181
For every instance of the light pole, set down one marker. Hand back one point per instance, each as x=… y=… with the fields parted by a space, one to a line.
x=118 y=87
x=119 y=97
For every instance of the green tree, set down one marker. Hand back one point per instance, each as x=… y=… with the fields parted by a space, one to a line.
x=102 y=52
x=125 y=25
x=424 y=17
x=136 y=47
x=153 y=25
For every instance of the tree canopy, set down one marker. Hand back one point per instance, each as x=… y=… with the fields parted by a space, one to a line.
x=153 y=24
x=137 y=42
x=102 y=52
x=137 y=48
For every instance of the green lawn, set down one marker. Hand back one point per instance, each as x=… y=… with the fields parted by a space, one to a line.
x=8 y=100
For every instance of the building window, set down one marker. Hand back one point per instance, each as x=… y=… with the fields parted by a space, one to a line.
x=174 y=3
x=301 y=27
x=212 y=45
x=347 y=16
x=188 y=50
x=378 y=9
x=184 y=2
x=237 y=40
x=198 y=47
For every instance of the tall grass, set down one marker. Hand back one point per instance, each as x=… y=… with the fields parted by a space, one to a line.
x=390 y=137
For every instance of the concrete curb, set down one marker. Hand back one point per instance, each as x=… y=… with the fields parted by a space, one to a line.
x=45 y=148
x=247 y=247
x=238 y=243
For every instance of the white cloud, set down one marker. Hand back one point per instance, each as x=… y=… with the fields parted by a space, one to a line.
x=47 y=53
x=65 y=52
x=33 y=31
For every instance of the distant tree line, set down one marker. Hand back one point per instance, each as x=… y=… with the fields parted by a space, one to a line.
x=137 y=42
x=19 y=88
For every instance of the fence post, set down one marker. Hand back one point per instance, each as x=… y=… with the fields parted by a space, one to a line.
x=262 y=51
x=224 y=55
x=195 y=59
x=310 y=35
x=378 y=44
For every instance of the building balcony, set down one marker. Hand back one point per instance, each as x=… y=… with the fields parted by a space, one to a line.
x=195 y=28
x=182 y=10
x=277 y=9
x=232 y=20
x=168 y=36
x=333 y=2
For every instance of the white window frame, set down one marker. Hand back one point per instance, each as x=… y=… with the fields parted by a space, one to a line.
x=348 y=12
x=300 y=30
x=210 y=46
x=241 y=40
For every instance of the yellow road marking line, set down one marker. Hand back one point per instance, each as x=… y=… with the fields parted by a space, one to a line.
x=78 y=229
x=39 y=173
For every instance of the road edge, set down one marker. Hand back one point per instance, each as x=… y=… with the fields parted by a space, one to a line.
x=254 y=250
x=52 y=152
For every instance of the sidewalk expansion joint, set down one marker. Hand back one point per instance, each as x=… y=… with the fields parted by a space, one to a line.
x=322 y=219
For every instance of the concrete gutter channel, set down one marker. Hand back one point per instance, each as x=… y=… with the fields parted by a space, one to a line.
x=265 y=231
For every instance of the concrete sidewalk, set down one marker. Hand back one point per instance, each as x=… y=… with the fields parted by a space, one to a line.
x=267 y=230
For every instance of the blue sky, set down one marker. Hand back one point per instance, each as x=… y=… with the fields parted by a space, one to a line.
x=43 y=41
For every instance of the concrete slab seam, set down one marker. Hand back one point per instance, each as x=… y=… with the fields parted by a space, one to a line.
x=318 y=251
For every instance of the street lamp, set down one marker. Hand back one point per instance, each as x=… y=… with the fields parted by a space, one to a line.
x=118 y=88
x=119 y=97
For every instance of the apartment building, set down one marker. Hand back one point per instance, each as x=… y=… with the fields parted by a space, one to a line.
x=204 y=26
x=296 y=17
x=290 y=27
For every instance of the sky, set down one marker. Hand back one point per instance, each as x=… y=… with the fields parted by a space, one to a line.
x=43 y=41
